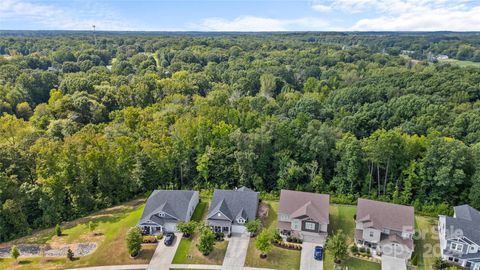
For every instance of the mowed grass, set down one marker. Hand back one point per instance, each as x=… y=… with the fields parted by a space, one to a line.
x=187 y=252
x=112 y=226
x=427 y=246
x=278 y=258
x=461 y=63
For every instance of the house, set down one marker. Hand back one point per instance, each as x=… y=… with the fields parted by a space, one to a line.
x=460 y=237
x=385 y=228
x=165 y=208
x=304 y=215
x=231 y=209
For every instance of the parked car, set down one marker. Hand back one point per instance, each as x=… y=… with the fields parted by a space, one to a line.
x=169 y=238
x=318 y=253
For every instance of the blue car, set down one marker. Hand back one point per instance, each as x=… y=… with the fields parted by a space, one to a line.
x=318 y=253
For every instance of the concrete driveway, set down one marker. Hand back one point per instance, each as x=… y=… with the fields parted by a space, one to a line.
x=163 y=256
x=392 y=263
x=307 y=262
x=236 y=252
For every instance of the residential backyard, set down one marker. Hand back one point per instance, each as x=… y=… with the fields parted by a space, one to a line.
x=187 y=252
x=427 y=242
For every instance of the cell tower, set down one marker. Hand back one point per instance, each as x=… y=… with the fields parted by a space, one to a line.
x=94 y=37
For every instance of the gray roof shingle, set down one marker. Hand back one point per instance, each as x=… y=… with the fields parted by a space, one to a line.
x=466 y=223
x=300 y=204
x=234 y=203
x=172 y=202
x=383 y=215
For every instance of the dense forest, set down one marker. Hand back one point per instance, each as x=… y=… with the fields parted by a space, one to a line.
x=89 y=122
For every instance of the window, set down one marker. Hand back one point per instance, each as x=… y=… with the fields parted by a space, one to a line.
x=310 y=226
x=241 y=220
x=456 y=247
x=371 y=233
x=162 y=214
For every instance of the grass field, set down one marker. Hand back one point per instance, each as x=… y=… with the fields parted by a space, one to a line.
x=461 y=63
x=112 y=223
x=278 y=258
x=187 y=252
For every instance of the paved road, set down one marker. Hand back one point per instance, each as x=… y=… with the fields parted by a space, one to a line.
x=392 y=263
x=307 y=262
x=163 y=256
x=236 y=252
x=115 y=267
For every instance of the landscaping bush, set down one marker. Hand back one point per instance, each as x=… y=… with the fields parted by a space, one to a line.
x=58 y=230
x=149 y=239
x=219 y=236
x=354 y=249
x=159 y=237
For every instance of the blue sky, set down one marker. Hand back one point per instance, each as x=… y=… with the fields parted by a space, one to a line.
x=244 y=15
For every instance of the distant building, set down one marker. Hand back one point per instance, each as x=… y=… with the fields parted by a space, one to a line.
x=442 y=57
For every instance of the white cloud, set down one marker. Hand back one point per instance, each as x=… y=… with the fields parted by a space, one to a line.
x=424 y=20
x=54 y=17
x=321 y=8
x=252 y=23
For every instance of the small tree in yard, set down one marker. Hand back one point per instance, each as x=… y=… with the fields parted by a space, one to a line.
x=187 y=228
x=70 y=255
x=207 y=241
x=253 y=226
x=14 y=252
x=92 y=226
x=58 y=230
x=264 y=242
x=337 y=245
x=134 y=241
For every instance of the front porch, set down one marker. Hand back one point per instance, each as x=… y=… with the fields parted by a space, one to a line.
x=220 y=226
x=152 y=229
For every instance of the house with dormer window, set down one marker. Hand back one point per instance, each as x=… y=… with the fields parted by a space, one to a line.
x=165 y=208
x=304 y=215
x=230 y=210
x=460 y=237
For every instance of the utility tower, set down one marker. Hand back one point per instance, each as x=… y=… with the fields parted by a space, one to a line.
x=94 y=37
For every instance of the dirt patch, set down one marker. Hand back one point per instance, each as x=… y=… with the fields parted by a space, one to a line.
x=263 y=210
x=82 y=249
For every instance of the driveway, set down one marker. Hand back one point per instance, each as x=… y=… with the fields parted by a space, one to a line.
x=392 y=263
x=163 y=256
x=236 y=252
x=307 y=262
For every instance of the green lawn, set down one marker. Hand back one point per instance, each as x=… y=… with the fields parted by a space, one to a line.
x=425 y=245
x=278 y=258
x=461 y=63
x=113 y=223
x=187 y=252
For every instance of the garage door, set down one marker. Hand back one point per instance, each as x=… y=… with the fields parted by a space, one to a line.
x=238 y=229
x=170 y=227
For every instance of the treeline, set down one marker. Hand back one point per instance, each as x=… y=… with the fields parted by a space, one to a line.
x=85 y=127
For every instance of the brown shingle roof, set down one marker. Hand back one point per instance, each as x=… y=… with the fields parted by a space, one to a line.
x=382 y=215
x=297 y=204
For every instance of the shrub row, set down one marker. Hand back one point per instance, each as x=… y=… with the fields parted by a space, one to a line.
x=282 y=244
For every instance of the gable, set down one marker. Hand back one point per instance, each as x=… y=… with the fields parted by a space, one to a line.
x=219 y=215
